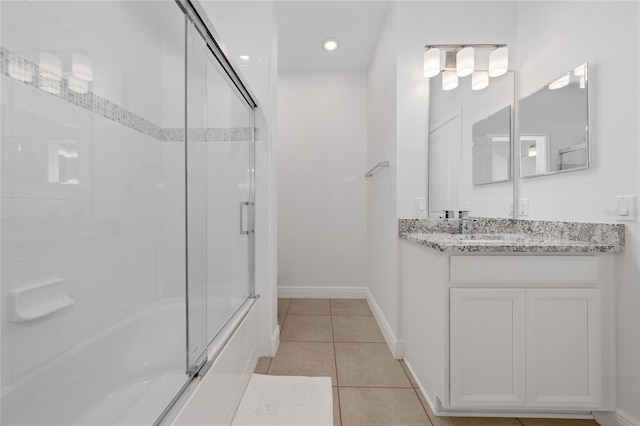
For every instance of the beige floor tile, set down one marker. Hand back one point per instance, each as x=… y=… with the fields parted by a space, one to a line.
x=263 y=365
x=281 y=320
x=309 y=307
x=336 y=407
x=306 y=328
x=368 y=364
x=408 y=373
x=381 y=406
x=350 y=307
x=475 y=421
x=283 y=306
x=312 y=359
x=558 y=422
x=351 y=328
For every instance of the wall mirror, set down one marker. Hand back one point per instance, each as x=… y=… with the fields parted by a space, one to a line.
x=470 y=134
x=554 y=126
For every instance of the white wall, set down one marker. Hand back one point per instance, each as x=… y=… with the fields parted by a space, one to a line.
x=382 y=217
x=322 y=127
x=552 y=39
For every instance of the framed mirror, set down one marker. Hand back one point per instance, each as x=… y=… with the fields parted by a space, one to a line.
x=554 y=126
x=470 y=138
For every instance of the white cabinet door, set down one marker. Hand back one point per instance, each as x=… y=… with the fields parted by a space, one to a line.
x=487 y=347
x=563 y=348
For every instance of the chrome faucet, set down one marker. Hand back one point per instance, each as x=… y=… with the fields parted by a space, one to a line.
x=467 y=224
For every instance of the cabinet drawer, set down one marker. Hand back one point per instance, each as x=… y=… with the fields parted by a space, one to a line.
x=523 y=269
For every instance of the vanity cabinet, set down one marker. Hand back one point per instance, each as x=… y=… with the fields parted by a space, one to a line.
x=534 y=348
x=528 y=334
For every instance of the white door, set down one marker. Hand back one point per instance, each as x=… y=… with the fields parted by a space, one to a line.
x=563 y=348
x=445 y=157
x=487 y=347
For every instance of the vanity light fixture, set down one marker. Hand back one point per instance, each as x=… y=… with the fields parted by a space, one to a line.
x=76 y=85
x=21 y=72
x=449 y=80
x=559 y=83
x=479 y=80
x=50 y=66
x=330 y=44
x=81 y=67
x=465 y=61
x=499 y=61
x=49 y=85
x=431 y=62
x=461 y=61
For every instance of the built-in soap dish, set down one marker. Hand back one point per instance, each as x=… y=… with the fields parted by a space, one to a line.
x=36 y=301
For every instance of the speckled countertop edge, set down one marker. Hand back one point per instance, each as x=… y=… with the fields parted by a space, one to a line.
x=546 y=236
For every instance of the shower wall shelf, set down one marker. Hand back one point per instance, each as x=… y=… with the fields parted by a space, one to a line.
x=36 y=301
x=375 y=168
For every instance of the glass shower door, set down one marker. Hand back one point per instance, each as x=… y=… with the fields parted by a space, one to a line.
x=230 y=204
x=220 y=197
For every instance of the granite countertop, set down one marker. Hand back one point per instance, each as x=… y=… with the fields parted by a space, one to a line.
x=514 y=236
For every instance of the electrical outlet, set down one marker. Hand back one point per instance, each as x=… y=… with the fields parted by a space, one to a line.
x=523 y=207
x=624 y=208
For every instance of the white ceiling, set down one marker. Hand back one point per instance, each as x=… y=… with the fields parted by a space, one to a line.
x=303 y=25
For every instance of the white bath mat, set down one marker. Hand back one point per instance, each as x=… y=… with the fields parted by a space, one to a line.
x=286 y=400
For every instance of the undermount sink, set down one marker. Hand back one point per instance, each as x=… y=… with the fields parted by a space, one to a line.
x=487 y=238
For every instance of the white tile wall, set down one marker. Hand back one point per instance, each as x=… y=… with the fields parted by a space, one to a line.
x=116 y=237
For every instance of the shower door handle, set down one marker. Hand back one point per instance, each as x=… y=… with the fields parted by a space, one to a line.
x=242 y=205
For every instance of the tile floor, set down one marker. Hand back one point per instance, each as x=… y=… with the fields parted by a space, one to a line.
x=339 y=338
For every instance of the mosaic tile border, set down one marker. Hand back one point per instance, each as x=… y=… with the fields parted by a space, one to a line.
x=211 y=134
x=61 y=88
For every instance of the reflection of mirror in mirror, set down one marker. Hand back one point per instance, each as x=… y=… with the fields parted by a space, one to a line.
x=554 y=126
x=491 y=148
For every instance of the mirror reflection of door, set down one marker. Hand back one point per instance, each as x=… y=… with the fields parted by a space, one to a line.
x=534 y=158
x=445 y=151
x=491 y=154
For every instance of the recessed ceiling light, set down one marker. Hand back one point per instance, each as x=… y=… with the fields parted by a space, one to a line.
x=330 y=44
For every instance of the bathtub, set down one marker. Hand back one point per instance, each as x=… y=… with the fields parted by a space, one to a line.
x=134 y=373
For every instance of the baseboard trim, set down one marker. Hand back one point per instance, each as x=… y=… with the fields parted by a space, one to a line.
x=395 y=345
x=275 y=341
x=323 y=292
x=615 y=418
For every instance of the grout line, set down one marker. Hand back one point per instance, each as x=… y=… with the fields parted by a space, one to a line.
x=339 y=404
x=335 y=362
x=377 y=387
x=333 y=342
x=422 y=405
